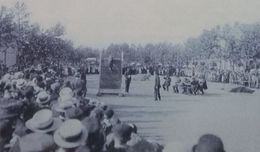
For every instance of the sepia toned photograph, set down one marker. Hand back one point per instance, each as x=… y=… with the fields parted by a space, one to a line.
x=129 y=75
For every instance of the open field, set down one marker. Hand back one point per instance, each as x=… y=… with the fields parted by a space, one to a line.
x=182 y=118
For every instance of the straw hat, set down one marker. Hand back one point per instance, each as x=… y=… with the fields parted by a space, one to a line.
x=55 y=86
x=18 y=75
x=20 y=83
x=43 y=122
x=43 y=98
x=71 y=134
x=63 y=106
x=66 y=92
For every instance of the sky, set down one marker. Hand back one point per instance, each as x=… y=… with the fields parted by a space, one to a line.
x=97 y=23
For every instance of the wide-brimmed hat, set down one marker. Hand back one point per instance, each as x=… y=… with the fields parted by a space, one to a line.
x=18 y=75
x=36 y=142
x=7 y=77
x=55 y=86
x=71 y=134
x=209 y=143
x=63 y=106
x=20 y=83
x=66 y=92
x=43 y=98
x=43 y=122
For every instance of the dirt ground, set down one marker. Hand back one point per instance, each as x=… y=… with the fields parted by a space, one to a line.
x=179 y=120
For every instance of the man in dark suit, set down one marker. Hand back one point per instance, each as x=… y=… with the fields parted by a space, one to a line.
x=157 y=86
x=127 y=79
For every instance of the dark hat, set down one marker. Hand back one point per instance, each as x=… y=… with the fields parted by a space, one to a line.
x=209 y=143
x=73 y=112
x=98 y=113
x=92 y=124
x=28 y=91
x=109 y=113
x=122 y=131
x=134 y=127
x=36 y=142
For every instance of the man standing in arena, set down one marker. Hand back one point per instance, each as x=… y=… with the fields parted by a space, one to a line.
x=157 y=86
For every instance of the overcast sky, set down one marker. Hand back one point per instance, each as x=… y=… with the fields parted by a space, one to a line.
x=97 y=23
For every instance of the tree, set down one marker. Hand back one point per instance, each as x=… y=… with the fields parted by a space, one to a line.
x=7 y=34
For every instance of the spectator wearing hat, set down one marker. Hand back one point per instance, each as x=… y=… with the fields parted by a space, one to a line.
x=10 y=110
x=43 y=122
x=35 y=142
x=209 y=143
x=68 y=108
x=128 y=79
x=55 y=87
x=96 y=137
x=65 y=94
x=85 y=106
x=20 y=84
x=107 y=125
x=5 y=132
x=117 y=140
x=43 y=99
x=28 y=93
x=83 y=78
x=138 y=144
x=71 y=135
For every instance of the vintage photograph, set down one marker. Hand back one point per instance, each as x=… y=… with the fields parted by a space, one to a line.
x=129 y=75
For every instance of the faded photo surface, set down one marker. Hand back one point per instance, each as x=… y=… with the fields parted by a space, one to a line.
x=130 y=75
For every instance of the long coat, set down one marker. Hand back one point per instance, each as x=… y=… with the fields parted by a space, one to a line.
x=157 y=83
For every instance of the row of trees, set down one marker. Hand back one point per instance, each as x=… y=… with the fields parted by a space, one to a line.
x=31 y=41
x=236 y=43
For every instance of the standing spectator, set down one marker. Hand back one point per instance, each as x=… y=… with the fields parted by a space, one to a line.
x=83 y=78
x=177 y=85
x=127 y=79
x=157 y=86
